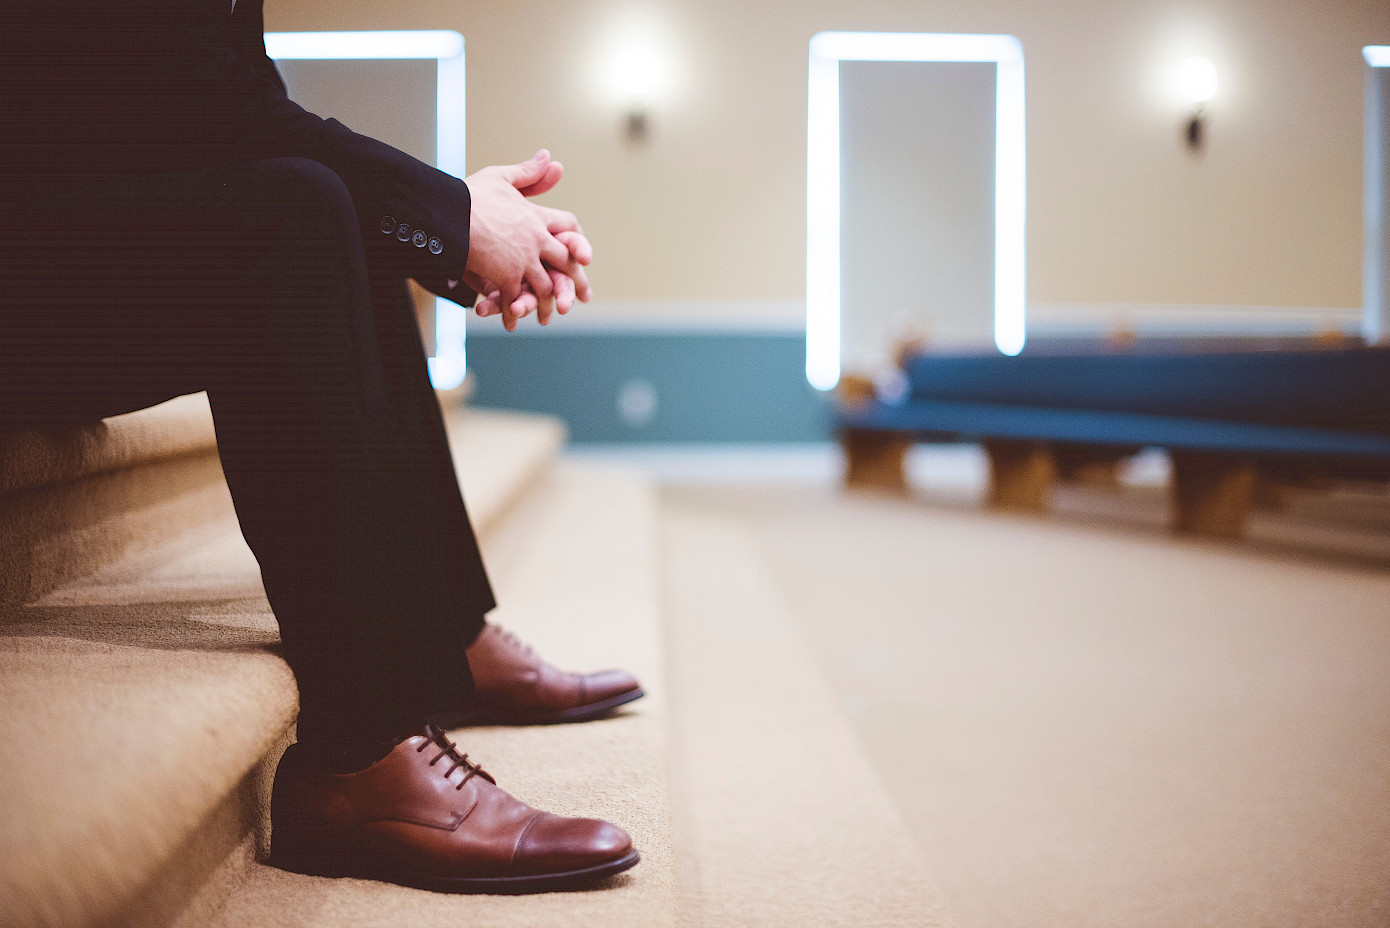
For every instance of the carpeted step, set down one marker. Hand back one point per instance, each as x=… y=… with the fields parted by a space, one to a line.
x=178 y=428
x=499 y=456
x=75 y=498
x=143 y=703
x=780 y=820
x=574 y=567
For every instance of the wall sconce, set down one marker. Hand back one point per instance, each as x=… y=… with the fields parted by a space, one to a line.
x=638 y=75
x=1197 y=83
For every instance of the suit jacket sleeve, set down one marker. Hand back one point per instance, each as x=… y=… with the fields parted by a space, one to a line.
x=414 y=218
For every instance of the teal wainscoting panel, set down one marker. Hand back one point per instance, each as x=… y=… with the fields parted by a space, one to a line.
x=655 y=386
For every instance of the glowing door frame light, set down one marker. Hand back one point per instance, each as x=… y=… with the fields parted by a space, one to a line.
x=1375 y=257
x=450 y=363
x=828 y=49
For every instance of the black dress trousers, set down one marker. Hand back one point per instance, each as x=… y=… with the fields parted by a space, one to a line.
x=250 y=281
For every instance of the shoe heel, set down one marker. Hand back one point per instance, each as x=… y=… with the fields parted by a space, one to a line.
x=307 y=846
x=311 y=847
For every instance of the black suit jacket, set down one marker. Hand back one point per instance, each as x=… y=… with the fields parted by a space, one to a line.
x=94 y=89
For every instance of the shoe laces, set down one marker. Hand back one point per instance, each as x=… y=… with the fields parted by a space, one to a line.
x=436 y=738
x=513 y=640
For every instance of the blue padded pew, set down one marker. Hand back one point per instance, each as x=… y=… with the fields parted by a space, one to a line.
x=1229 y=418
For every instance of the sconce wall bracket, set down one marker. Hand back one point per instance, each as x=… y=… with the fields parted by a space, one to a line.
x=1195 y=132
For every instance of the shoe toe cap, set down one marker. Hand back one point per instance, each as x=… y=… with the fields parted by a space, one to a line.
x=554 y=842
x=607 y=684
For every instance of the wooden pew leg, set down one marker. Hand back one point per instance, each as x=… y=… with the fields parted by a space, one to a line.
x=1089 y=466
x=875 y=460
x=1212 y=494
x=1103 y=475
x=1271 y=495
x=1022 y=475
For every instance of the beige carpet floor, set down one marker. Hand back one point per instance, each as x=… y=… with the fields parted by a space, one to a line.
x=780 y=820
x=1088 y=722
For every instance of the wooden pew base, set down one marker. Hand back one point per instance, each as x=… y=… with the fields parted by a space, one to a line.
x=1091 y=466
x=1022 y=475
x=875 y=460
x=1212 y=494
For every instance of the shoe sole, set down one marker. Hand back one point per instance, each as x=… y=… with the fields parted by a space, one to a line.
x=534 y=883
x=558 y=881
x=470 y=717
x=334 y=866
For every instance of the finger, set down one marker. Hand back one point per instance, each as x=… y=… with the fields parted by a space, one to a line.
x=526 y=304
x=546 y=308
x=507 y=295
x=582 y=290
x=542 y=299
x=518 y=310
x=495 y=306
x=559 y=220
x=538 y=280
x=557 y=256
x=564 y=293
x=527 y=172
x=537 y=292
x=489 y=305
x=553 y=172
x=578 y=245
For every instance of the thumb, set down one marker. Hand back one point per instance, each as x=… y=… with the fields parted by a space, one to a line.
x=528 y=172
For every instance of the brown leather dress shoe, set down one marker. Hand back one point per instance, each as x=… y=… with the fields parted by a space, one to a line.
x=426 y=816
x=516 y=687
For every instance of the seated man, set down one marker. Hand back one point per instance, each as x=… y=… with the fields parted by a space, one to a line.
x=173 y=223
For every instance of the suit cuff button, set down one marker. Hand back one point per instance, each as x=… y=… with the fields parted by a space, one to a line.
x=436 y=246
x=418 y=239
x=388 y=225
x=403 y=232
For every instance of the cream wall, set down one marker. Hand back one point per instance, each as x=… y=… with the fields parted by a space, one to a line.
x=711 y=207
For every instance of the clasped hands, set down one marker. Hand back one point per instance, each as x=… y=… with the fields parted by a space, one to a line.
x=524 y=257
